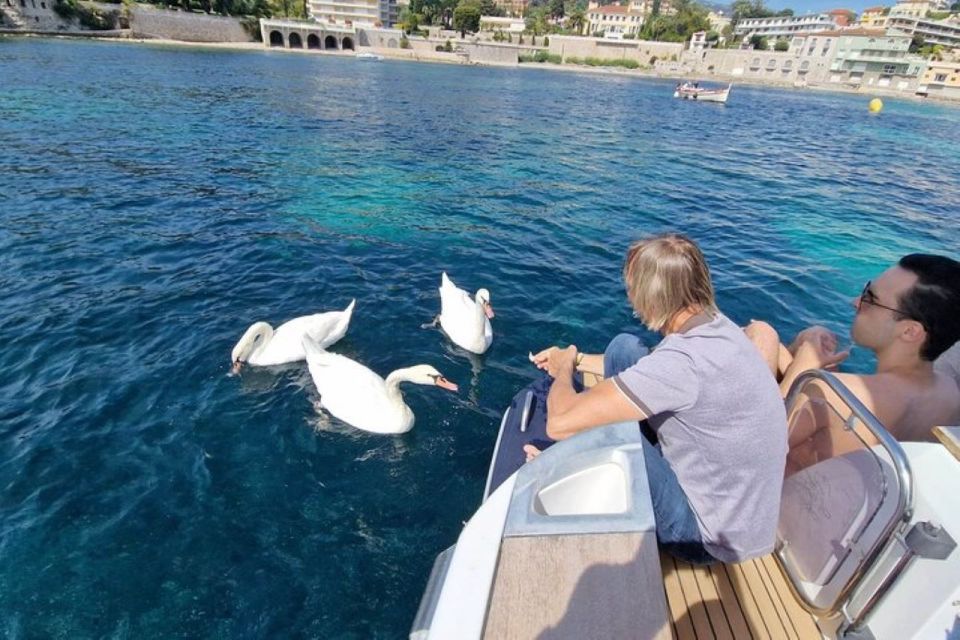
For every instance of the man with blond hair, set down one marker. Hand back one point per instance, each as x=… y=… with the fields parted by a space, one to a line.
x=716 y=473
x=908 y=316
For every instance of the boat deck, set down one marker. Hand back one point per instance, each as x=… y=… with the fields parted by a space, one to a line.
x=736 y=601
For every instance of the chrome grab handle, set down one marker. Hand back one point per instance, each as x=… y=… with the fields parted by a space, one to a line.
x=901 y=465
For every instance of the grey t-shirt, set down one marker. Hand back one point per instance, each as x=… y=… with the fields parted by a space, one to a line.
x=722 y=427
x=949 y=362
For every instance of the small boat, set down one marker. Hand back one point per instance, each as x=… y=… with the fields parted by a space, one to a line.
x=688 y=91
x=369 y=56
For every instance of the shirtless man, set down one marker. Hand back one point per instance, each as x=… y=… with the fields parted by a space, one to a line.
x=908 y=317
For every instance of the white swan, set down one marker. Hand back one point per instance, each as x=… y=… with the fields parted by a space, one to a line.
x=361 y=398
x=465 y=320
x=262 y=346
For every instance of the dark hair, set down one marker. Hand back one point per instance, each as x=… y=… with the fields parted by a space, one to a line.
x=934 y=301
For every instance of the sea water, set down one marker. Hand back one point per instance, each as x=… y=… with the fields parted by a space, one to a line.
x=154 y=202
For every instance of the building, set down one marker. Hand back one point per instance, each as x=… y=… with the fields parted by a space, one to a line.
x=614 y=20
x=718 y=21
x=354 y=12
x=513 y=8
x=941 y=79
x=871 y=57
x=513 y=26
x=944 y=32
x=841 y=17
x=783 y=26
x=874 y=18
x=912 y=9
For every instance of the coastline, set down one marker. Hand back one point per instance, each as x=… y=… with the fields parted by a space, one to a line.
x=410 y=56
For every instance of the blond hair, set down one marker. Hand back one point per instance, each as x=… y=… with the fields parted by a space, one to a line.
x=664 y=275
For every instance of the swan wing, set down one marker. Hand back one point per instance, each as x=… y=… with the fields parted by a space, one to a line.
x=286 y=345
x=461 y=318
x=352 y=392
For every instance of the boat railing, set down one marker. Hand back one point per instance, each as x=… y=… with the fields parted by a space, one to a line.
x=847 y=500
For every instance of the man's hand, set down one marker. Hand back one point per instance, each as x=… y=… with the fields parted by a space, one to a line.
x=814 y=354
x=555 y=360
x=822 y=337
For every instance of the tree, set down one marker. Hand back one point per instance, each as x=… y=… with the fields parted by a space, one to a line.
x=466 y=17
x=955 y=7
x=781 y=45
x=917 y=43
x=741 y=9
x=758 y=42
x=555 y=8
x=409 y=21
x=490 y=8
x=577 y=21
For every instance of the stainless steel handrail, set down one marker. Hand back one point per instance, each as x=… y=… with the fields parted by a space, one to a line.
x=901 y=466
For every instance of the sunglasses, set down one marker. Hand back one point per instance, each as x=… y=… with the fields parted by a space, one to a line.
x=867 y=296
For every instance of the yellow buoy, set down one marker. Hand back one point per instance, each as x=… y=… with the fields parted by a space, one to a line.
x=875 y=105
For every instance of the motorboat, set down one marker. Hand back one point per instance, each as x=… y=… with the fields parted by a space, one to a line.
x=693 y=91
x=366 y=55
x=565 y=546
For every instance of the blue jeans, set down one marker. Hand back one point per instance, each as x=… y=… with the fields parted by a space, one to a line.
x=677 y=530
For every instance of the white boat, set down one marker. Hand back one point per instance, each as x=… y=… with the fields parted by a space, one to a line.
x=369 y=56
x=565 y=547
x=687 y=91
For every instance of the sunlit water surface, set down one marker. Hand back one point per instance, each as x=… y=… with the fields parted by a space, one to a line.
x=154 y=202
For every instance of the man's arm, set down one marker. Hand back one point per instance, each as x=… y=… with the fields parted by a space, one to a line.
x=569 y=412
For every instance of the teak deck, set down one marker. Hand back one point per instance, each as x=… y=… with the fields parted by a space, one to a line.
x=733 y=601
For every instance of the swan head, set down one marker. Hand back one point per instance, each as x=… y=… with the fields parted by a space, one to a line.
x=483 y=299
x=425 y=374
x=253 y=339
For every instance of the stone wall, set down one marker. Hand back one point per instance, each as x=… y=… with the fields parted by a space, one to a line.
x=36 y=15
x=151 y=22
x=379 y=38
x=766 y=66
x=491 y=53
x=640 y=50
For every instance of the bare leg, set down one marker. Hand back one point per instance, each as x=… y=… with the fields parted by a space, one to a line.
x=767 y=341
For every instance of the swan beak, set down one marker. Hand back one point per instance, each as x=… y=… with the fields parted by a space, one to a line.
x=446 y=384
x=237 y=365
x=488 y=309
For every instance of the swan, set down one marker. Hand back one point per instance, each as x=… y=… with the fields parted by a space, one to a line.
x=262 y=346
x=465 y=320
x=358 y=396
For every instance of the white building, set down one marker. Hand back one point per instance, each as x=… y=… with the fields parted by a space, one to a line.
x=354 y=12
x=614 y=20
x=783 y=26
x=944 y=32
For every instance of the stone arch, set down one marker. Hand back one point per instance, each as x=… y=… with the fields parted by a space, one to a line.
x=392 y=43
x=276 y=39
x=296 y=42
x=330 y=42
x=348 y=44
x=313 y=41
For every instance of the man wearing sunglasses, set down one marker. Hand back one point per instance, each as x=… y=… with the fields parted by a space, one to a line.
x=908 y=316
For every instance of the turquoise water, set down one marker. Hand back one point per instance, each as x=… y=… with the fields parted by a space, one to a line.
x=155 y=202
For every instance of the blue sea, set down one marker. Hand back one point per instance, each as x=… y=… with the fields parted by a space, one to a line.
x=154 y=202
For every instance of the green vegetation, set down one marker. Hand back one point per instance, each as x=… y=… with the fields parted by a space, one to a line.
x=404 y=42
x=466 y=17
x=88 y=17
x=541 y=56
x=603 y=62
x=758 y=42
x=688 y=18
x=741 y=9
x=782 y=44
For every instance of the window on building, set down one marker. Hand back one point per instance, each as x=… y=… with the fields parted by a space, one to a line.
x=771 y=64
x=940 y=77
x=756 y=63
x=889 y=68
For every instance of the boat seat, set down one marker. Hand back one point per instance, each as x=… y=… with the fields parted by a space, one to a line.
x=733 y=601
